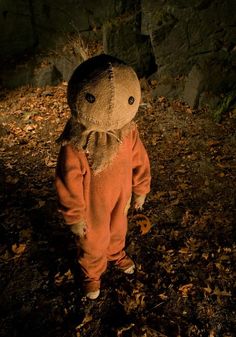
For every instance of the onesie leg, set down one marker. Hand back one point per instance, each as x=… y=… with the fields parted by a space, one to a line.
x=118 y=230
x=92 y=258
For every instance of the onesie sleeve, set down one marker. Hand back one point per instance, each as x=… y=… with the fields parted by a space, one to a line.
x=141 y=166
x=69 y=185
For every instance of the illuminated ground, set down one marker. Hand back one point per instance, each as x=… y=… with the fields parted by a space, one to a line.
x=184 y=280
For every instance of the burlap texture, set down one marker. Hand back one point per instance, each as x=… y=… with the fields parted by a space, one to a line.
x=104 y=95
x=100 y=147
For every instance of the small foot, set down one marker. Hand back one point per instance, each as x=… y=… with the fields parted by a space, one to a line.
x=92 y=295
x=130 y=270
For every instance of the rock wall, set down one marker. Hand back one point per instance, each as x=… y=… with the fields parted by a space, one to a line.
x=189 y=47
x=194 y=43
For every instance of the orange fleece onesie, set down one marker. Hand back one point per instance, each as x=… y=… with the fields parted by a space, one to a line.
x=102 y=200
x=102 y=161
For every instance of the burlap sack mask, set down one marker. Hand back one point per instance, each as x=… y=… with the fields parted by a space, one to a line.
x=103 y=95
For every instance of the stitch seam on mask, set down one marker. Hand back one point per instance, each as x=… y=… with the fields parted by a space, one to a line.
x=112 y=87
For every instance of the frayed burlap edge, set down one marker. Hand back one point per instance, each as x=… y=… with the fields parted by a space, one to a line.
x=100 y=147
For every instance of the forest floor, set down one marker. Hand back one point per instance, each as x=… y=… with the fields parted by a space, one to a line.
x=183 y=242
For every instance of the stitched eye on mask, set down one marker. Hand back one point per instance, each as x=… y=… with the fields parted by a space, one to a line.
x=131 y=100
x=90 y=98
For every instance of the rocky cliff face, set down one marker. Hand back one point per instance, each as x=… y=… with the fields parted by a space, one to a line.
x=189 y=47
x=194 y=43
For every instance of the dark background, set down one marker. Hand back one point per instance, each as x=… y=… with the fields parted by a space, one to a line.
x=188 y=46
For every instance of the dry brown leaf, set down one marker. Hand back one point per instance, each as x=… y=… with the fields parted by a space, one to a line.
x=205 y=256
x=87 y=319
x=212 y=142
x=207 y=290
x=224 y=257
x=144 y=223
x=183 y=186
x=163 y=296
x=139 y=298
x=12 y=180
x=175 y=202
x=161 y=99
x=5 y=256
x=189 y=110
x=185 y=289
x=58 y=279
x=124 y=328
x=212 y=333
x=41 y=203
x=50 y=162
x=30 y=127
x=184 y=250
x=222 y=174
x=26 y=234
x=61 y=278
x=227 y=249
x=159 y=195
x=18 y=249
x=68 y=275
x=219 y=292
x=38 y=118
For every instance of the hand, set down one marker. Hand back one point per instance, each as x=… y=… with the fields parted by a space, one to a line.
x=139 y=201
x=79 y=229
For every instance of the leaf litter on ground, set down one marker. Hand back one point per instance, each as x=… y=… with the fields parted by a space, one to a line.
x=183 y=243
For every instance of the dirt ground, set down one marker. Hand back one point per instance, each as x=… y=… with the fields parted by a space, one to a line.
x=183 y=242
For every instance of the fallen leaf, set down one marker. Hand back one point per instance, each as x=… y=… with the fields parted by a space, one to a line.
x=161 y=99
x=58 y=279
x=139 y=298
x=163 y=296
x=87 y=319
x=185 y=289
x=61 y=278
x=26 y=234
x=30 y=127
x=18 y=249
x=183 y=186
x=189 y=110
x=175 y=202
x=41 y=203
x=50 y=162
x=212 y=333
x=144 y=223
x=187 y=218
x=219 y=292
x=212 y=142
x=8 y=165
x=159 y=195
x=221 y=174
x=124 y=328
x=207 y=290
x=12 y=180
x=205 y=256
x=184 y=250
x=6 y=256
x=227 y=250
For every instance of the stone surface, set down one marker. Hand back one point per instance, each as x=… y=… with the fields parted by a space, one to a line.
x=124 y=40
x=42 y=71
x=193 y=86
x=17 y=35
x=185 y=34
x=46 y=24
x=46 y=74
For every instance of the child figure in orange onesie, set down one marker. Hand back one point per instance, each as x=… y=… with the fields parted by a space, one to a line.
x=102 y=162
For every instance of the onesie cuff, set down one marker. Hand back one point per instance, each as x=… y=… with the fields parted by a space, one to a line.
x=141 y=191
x=72 y=220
